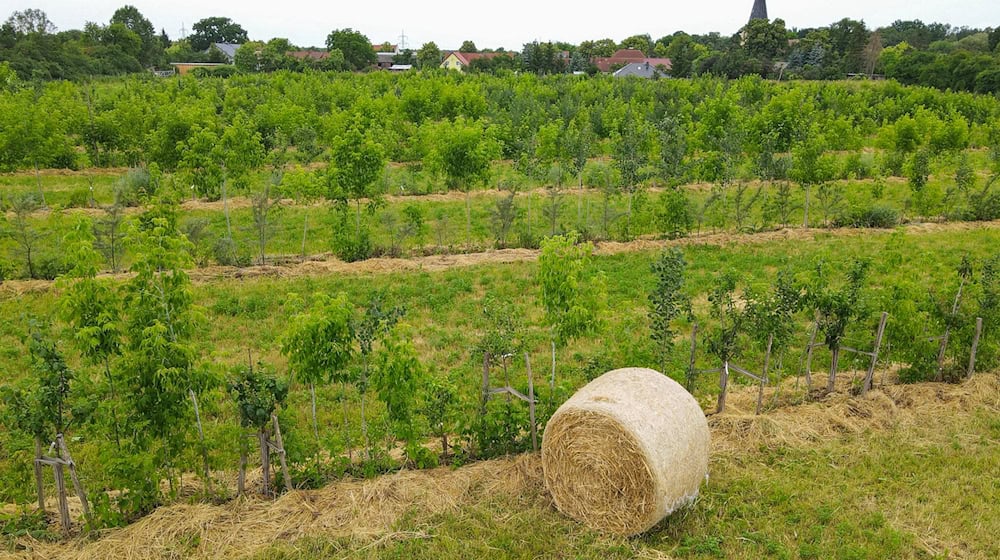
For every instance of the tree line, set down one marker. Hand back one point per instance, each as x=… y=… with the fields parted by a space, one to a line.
x=910 y=51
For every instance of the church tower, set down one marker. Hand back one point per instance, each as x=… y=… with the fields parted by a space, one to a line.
x=759 y=10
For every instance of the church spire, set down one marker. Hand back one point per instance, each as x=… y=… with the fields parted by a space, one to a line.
x=759 y=10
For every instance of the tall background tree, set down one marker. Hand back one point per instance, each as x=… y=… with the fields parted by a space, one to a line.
x=357 y=49
x=216 y=30
x=151 y=52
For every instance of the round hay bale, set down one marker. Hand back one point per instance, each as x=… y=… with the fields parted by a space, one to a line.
x=625 y=451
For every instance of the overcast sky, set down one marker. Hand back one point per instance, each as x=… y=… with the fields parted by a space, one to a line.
x=508 y=23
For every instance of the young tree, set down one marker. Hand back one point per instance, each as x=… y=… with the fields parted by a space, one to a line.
x=672 y=148
x=463 y=154
x=93 y=311
x=808 y=167
x=378 y=319
x=162 y=321
x=771 y=314
x=319 y=344
x=305 y=187
x=25 y=235
x=398 y=376
x=505 y=212
x=439 y=408
x=574 y=297
x=258 y=394
x=108 y=236
x=356 y=164
x=836 y=307
x=630 y=157
x=262 y=204
x=667 y=301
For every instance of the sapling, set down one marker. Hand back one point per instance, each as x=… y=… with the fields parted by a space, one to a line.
x=836 y=307
x=574 y=297
x=319 y=343
x=377 y=320
x=667 y=301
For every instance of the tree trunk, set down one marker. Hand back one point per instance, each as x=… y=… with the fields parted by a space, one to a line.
x=831 y=383
x=225 y=210
x=723 y=387
x=628 y=216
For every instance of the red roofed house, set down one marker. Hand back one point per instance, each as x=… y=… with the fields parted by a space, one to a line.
x=624 y=57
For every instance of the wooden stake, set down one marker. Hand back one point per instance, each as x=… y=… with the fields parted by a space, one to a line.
x=867 y=385
x=975 y=346
x=77 y=485
x=281 y=454
x=723 y=383
x=61 y=493
x=531 y=404
x=691 y=373
x=39 y=485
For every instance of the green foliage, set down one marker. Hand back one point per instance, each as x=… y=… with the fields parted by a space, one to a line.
x=210 y=30
x=162 y=321
x=504 y=332
x=667 y=300
x=355 y=46
x=837 y=306
x=876 y=216
x=258 y=394
x=319 y=342
x=729 y=318
x=574 y=297
x=397 y=378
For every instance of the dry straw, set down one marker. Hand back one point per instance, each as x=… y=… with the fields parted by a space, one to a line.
x=626 y=451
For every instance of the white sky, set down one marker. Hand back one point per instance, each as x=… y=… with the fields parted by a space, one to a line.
x=508 y=23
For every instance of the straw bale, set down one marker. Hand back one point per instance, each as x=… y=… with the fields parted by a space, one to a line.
x=626 y=451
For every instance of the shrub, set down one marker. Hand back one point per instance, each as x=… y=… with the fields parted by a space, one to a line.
x=133 y=188
x=674 y=217
x=79 y=198
x=870 y=217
